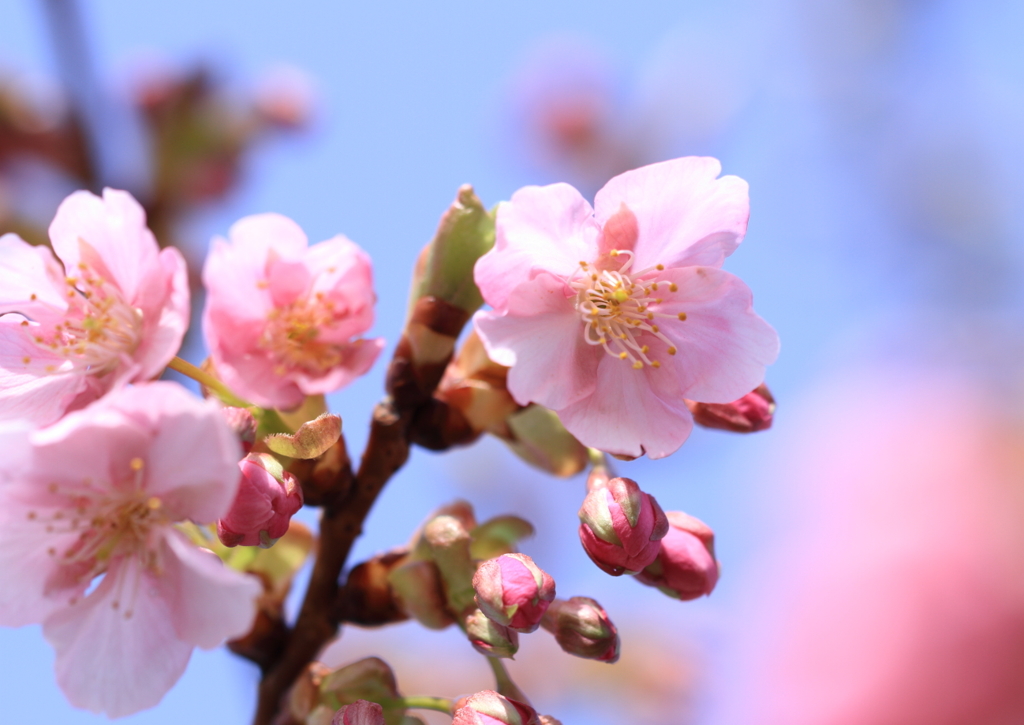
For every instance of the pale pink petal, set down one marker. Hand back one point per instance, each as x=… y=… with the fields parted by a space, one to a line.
x=164 y=301
x=25 y=560
x=631 y=412
x=686 y=216
x=31 y=281
x=723 y=345
x=208 y=602
x=541 y=339
x=357 y=358
x=543 y=228
x=115 y=226
x=237 y=288
x=92 y=447
x=108 y=661
x=343 y=273
x=259 y=233
x=288 y=280
x=28 y=390
x=253 y=375
x=192 y=462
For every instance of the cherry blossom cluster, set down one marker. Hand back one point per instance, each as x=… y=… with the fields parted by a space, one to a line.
x=141 y=521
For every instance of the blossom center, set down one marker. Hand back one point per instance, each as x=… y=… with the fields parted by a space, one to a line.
x=292 y=335
x=99 y=328
x=619 y=308
x=108 y=521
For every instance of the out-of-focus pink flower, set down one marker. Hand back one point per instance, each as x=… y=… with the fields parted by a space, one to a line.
x=749 y=414
x=267 y=498
x=98 y=495
x=114 y=313
x=582 y=628
x=360 y=712
x=904 y=601
x=281 y=316
x=489 y=708
x=686 y=566
x=513 y=591
x=621 y=527
x=612 y=316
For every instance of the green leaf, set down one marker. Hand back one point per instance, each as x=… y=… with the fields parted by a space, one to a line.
x=310 y=440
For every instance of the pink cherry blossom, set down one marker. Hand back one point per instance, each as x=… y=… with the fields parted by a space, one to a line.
x=613 y=316
x=281 y=316
x=89 y=547
x=115 y=312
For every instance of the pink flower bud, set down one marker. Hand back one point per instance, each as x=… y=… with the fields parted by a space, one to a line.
x=266 y=499
x=243 y=424
x=360 y=712
x=488 y=637
x=686 y=566
x=513 y=591
x=489 y=708
x=582 y=628
x=621 y=527
x=751 y=413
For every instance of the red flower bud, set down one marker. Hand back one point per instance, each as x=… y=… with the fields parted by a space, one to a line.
x=751 y=413
x=686 y=566
x=266 y=499
x=490 y=708
x=360 y=712
x=513 y=591
x=621 y=527
x=488 y=637
x=582 y=628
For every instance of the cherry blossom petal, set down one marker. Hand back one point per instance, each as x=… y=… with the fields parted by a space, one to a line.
x=723 y=345
x=686 y=215
x=549 y=228
x=114 y=226
x=31 y=280
x=260 y=233
x=29 y=390
x=287 y=280
x=359 y=356
x=201 y=485
x=113 y=663
x=540 y=338
x=164 y=301
x=25 y=560
x=255 y=376
x=242 y=288
x=623 y=416
x=207 y=601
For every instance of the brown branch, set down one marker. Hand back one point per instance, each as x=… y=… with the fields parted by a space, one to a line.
x=348 y=501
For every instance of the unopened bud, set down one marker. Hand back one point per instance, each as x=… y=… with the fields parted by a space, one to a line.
x=621 y=526
x=267 y=498
x=539 y=438
x=686 y=567
x=243 y=424
x=360 y=712
x=488 y=637
x=368 y=679
x=490 y=708
x=420 y=592
x=582 y=628
x=369 y=598
x=513 y=591
x=751 y=413
x=449 y=547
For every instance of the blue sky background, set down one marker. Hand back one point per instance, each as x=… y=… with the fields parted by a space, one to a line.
x=882 y=143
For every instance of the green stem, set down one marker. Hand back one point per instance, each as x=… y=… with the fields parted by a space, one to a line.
x=420 y=702
x=506 y=686
x=204 y=378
